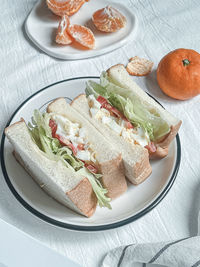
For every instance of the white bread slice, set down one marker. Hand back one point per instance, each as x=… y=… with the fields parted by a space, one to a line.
x=61 y=183
x=110 y=161
x=121 y=77
x=135 y=157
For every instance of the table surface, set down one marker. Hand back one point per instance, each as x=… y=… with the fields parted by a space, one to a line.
x=24 y=69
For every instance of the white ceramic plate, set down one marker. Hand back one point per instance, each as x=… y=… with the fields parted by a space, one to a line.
x=137 y=201
x=41 y=26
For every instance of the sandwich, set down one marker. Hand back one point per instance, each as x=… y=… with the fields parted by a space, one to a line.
x=163 y=126
x=68 y=158
x=104 y=158
x=131 y=120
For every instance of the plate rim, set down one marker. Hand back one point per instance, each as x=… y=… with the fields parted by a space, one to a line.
x=69 y=226
x=80 y=56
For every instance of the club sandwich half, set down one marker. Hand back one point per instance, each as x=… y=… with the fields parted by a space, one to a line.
x=68 y=158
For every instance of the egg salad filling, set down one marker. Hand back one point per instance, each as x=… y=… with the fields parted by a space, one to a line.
x=63 y=140
x=70 y=132
x=116 y=121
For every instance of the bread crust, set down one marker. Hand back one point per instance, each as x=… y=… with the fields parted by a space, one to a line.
x=113 y=67
x=170 y=136
x=83 y=197
x=13 y=125
x=113 y=174
x=52 y=103
x=77 y=97
x=163 y=145
x=142 y=169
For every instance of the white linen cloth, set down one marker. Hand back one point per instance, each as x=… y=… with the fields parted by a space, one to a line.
x=24 y=69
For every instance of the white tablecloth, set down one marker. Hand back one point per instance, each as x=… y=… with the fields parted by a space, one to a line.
x=163 y=26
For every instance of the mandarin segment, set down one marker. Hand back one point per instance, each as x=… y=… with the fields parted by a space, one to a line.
x=139 y=66
x=108 y=19
x=64 y=7
x=62 y=36
x=82 y=35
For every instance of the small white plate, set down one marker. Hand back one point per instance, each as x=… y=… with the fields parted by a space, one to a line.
x=137 y=201
x=41 y=26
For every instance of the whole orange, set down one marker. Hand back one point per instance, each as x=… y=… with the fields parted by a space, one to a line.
x=178 y=74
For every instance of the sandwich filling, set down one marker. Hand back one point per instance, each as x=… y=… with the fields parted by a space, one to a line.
x=125 y=113
x=70 y=134
x=67 y=141
x=100 y=109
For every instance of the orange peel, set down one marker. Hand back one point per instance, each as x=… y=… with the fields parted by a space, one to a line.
x=139 y=66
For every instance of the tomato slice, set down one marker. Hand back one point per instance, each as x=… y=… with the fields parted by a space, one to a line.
x=102 y=100
x=104 y=104
x=151 y=147
x=80 y=147
x=73 y=148
x=65 y=142
x=114 y=111
x=53 y=127
x=91 y=168
x=62 y=140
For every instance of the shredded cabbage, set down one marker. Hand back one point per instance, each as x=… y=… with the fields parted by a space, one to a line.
x=66 y=154
x=97 y=187
x=95 y=89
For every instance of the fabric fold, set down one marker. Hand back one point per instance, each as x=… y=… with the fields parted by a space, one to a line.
x=184 y=252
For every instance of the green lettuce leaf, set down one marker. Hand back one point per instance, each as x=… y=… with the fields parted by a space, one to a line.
x=97 y=187
x=41 y=134
x=67 y=155
x=97 y=175
x=55 y=145
x=95 y=89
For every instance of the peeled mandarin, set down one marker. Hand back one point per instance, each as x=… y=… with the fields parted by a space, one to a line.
x=108 y=19
x=64 y=7
x=82 y=35
x=62 y=36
